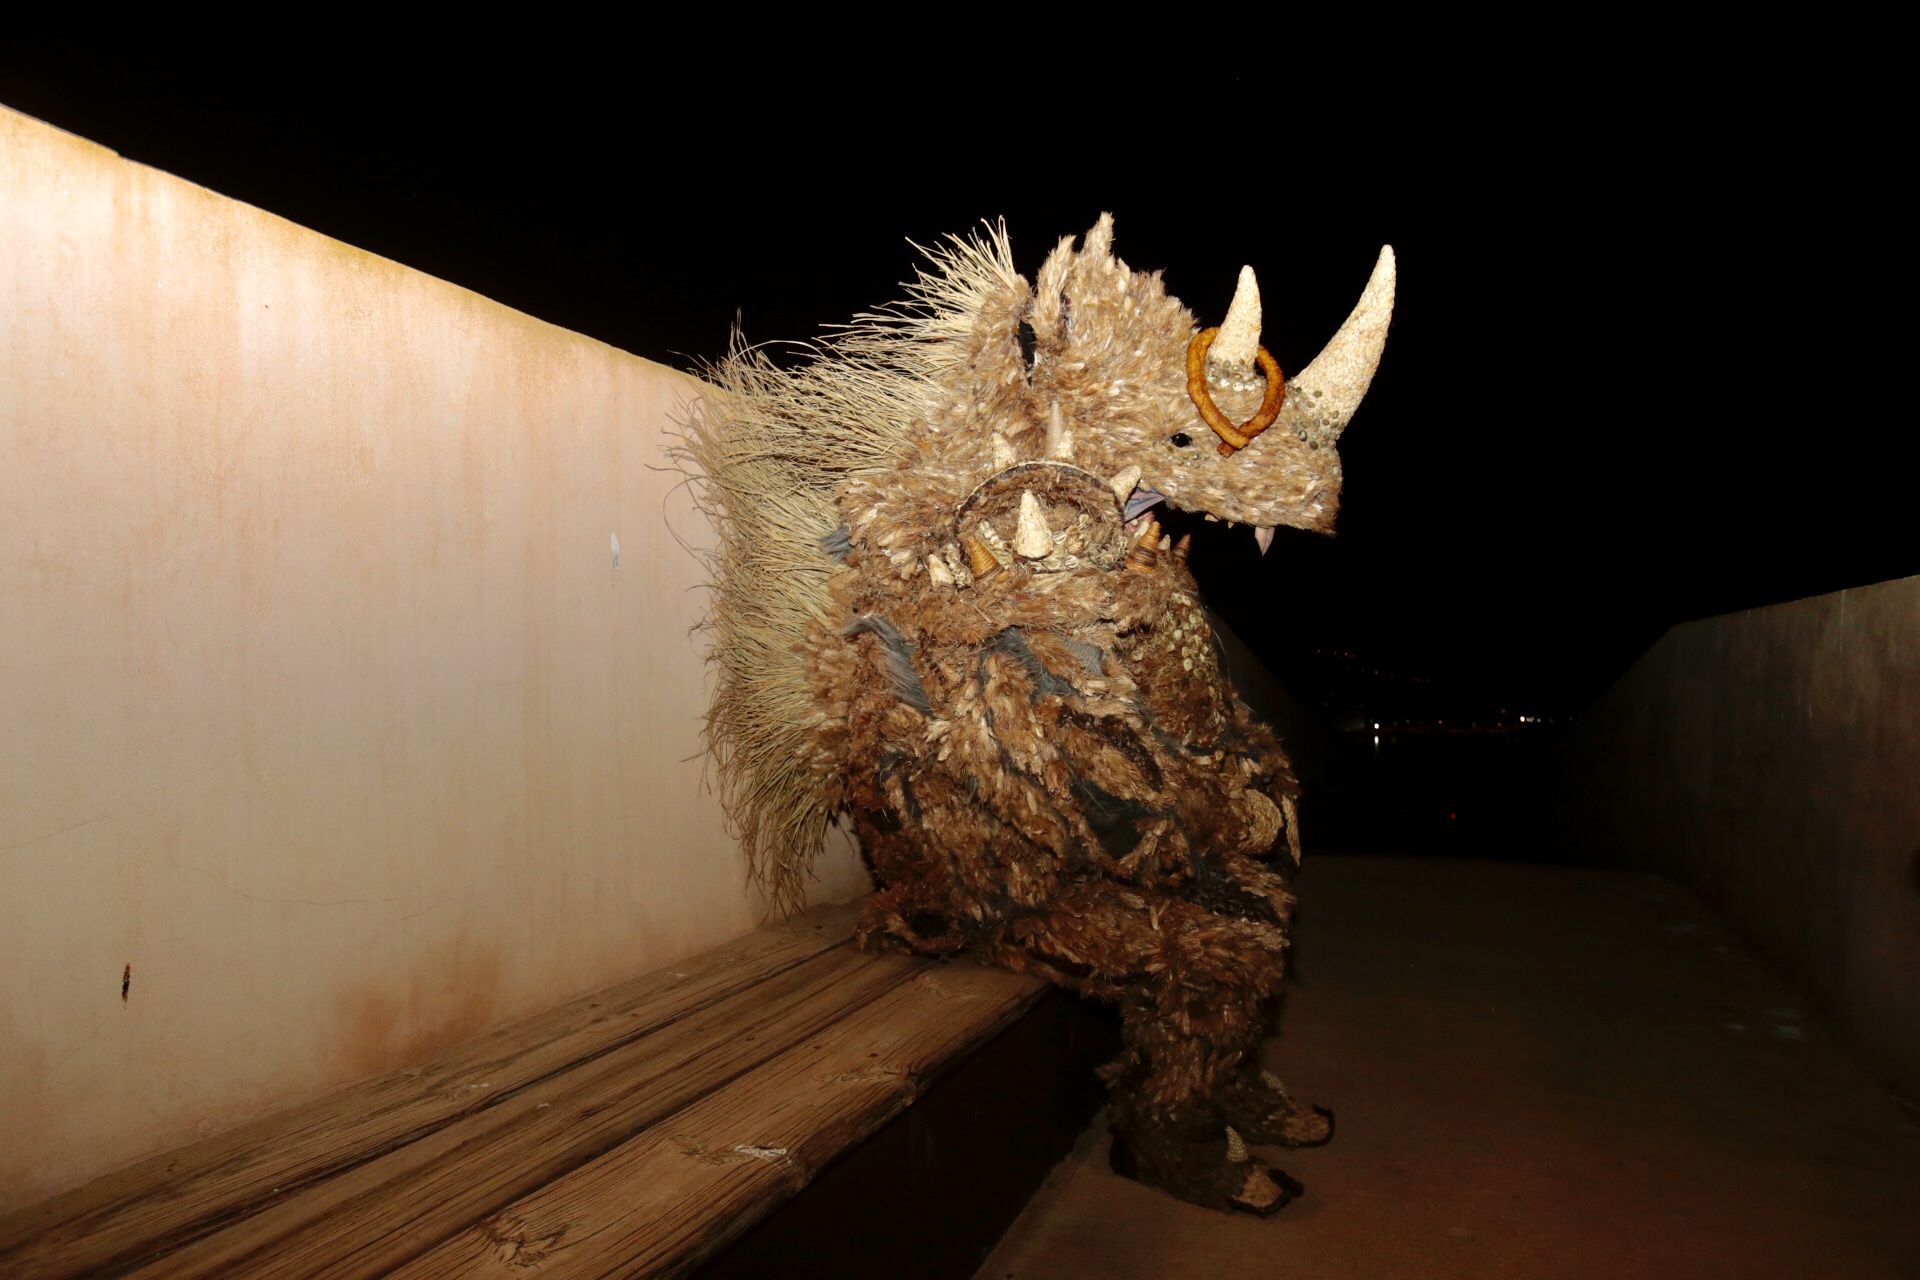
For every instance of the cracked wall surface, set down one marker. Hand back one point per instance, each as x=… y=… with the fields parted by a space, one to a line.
x=335 y=727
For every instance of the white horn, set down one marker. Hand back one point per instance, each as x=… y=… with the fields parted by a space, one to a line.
x=1239 y=337
x=1059 y=439
x=1031 y=538
x=1003 y=454
x=1331 y=388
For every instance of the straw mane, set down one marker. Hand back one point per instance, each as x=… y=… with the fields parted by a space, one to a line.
x=769 y=451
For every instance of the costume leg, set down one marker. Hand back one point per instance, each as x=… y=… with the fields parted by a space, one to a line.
x=1257 y=1104
x=1192 y=986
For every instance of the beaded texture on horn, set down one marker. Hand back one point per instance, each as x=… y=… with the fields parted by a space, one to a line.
x=1239 y=336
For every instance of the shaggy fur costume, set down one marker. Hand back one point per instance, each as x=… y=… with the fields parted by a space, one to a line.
x=944 y=608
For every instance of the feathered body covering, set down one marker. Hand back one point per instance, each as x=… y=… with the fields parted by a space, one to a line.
x=944 y=609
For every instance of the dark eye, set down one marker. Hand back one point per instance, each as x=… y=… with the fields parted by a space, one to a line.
x=1179 y=439
x=1025 y=334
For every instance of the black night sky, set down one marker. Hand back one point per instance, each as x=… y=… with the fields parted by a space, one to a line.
x=1642 y=369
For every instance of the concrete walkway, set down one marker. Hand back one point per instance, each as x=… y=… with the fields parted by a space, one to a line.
x=1538 y=1072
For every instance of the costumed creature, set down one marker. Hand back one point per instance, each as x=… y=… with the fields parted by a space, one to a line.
x=945 y=609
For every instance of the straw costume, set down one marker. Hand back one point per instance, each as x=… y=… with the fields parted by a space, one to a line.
x=945 y=609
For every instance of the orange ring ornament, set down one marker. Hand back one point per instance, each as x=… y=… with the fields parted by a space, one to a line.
x=1232 y=437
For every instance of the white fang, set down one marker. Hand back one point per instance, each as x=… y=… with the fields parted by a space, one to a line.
x=1031 y=538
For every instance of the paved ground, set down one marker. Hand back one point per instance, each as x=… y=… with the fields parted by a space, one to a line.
x=1540 y=1073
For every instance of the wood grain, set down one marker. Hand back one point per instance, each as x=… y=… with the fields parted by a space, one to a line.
x=180 y=1196
x=364 y=1221
x=678 y=1192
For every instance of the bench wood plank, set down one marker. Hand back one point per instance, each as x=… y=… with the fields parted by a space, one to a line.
x=177 y=1197
x=364 y=1221
x=673 y=1196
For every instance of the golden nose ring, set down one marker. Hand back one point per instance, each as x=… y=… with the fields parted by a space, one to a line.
x=1232 y=437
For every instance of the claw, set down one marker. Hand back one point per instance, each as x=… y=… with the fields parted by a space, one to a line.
x=1265 y=1192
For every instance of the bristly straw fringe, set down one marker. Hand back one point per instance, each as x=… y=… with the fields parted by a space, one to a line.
x=769 y=450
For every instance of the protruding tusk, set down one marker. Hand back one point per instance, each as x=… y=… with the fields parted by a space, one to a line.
x=1124 y=483
x=1263 y=534
x=1239 y=338
x=938 y=573
x=981 y=560
x=1003 y=454
x=1236 y=1147
x=1331 y=388
x=1031 y=537
x=1059 y=439
x=1145 y=553
x=1183 y=548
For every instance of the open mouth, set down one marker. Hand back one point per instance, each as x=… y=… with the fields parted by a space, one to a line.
x=1138 y=504
x=1137 y=510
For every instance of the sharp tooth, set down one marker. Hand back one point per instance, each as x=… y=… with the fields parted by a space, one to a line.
x=1263 y=534
x=1184 y=547
x=1145 y=552
x=937 y=572
x=1212 y=518
x=981 y=560
x=1031 y=538
x=1003 y=454
x=1166 y=543
x=1123 y=483
x=1236 y=1147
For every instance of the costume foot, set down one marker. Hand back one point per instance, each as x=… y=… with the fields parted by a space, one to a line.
x=1216 y=1175
x=1258 y=1105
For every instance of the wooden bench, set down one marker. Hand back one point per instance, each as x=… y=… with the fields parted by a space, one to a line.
x=642 y=1130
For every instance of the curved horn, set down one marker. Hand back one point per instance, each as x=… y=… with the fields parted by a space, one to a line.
x=1239 y=338
x=1331 y=388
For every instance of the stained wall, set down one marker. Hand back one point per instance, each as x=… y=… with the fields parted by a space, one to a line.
x=332 y=729
x=1770 y=760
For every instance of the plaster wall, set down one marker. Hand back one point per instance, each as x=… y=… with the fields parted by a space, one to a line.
x=332 y=731
x=1770 y=760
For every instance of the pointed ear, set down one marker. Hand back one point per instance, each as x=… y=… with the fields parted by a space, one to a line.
x=1049 y=285
x=1100 y=238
